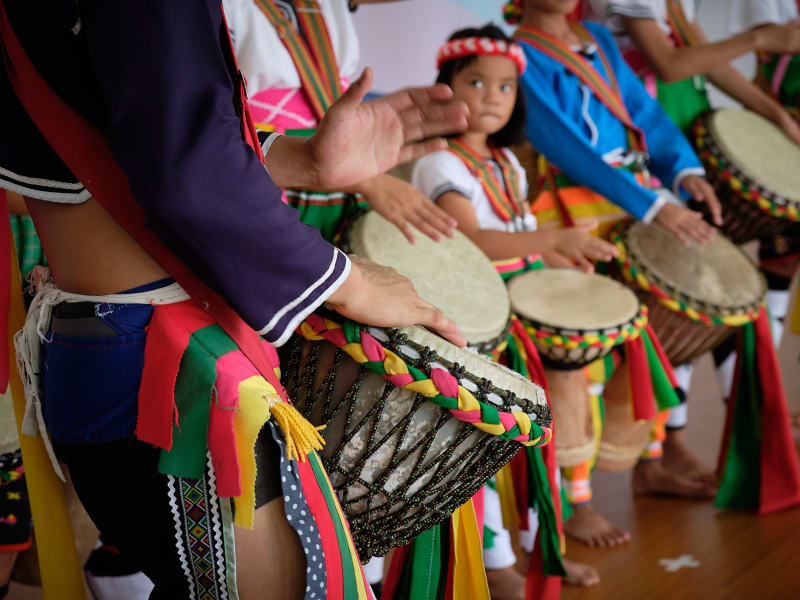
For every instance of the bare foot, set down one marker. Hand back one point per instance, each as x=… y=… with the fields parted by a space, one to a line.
x=580 y=574
x=679 y=460
x=650 y=478
x=593 y=529
x=506 y=584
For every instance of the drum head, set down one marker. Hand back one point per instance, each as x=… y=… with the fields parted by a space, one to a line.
x=572 y=300
x=718 y=275
x=453 y=275
x=759 y=150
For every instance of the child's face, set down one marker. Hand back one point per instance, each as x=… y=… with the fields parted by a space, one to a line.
x=488 y=86
x=551 y=6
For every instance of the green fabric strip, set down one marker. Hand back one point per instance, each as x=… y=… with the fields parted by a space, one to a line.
x=426 y=565
x=789 y=90
x=542 y=501
x=665 y=394
x=740 y=484
x=196 y=377
x=349 y=585
x=226 y=511
x=684 y=100
x=566 y=508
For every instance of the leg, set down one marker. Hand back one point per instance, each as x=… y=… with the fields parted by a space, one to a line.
x=505 y=581
x=678 y=458
x=587 y=525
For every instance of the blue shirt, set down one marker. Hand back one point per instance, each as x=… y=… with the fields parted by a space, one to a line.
x=574 y=129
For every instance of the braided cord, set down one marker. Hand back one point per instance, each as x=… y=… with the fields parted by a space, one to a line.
x=440 y=387
x=633 y=274
x=592 y=339
x=742 y=186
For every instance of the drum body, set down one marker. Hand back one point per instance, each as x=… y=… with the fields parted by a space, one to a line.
x=399 y=463
x=696 y=295
x=754 y=169
x=574 y=318
x=624 y=439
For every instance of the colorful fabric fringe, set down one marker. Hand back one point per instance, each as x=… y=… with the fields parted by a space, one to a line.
x=443 y=563
x=758 y=466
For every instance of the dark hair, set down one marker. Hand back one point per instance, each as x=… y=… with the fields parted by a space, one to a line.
x=514 y=131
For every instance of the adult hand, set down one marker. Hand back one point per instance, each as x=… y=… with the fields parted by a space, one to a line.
x=686 y=224
x=788 y=124
x=404 y=205
x=779 y=39
x=576 y=247
x=702 y=191
x=357 y=140
x=378 y=295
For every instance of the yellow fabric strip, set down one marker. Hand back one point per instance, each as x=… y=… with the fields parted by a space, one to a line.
x=504 y=482
x=469 y=574
x=61 y=571
x=253 y=413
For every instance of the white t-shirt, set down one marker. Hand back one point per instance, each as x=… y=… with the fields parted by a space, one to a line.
x=746 y=14
x=441 y=172
x=611 y=12
x=263 y=58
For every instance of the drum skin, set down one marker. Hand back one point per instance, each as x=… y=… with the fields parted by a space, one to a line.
x=623 y=438
x=569 y=399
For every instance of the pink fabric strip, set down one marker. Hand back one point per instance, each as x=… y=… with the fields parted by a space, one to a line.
x=780 y=73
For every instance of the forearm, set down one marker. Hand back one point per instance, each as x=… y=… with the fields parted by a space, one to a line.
x=288 y=162
x=500 y=245
x=735 y=85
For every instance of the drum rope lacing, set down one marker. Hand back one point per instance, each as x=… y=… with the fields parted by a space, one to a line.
x=382 y=518
x=594 y=338
x=633 y=271
x=743 y=187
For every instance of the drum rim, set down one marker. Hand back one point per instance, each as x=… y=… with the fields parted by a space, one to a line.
x=490 y=345
x=708 y=313
x=398 y=341
x=631 y=326
x=722 y=168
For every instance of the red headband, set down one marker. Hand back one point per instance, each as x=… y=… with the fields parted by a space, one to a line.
x=481 y=46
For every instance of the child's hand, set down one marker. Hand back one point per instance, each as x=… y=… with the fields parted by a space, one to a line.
x=686 y=224
x=576 y=247
x=702 y=191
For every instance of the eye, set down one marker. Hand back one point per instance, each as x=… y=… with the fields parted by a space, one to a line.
x=476 y=83
x=507 y=87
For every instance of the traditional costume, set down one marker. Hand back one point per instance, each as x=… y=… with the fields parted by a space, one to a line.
x=166 y=385
x=298 y=58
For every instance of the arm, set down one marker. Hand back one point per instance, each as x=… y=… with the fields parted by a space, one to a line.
x=672 y=63
x=203 y=191
x=565 y=247
x=567 y=147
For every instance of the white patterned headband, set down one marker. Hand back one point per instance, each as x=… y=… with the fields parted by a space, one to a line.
x=475 y=46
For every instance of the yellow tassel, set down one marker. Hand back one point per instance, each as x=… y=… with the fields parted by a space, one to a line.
x=301 y=436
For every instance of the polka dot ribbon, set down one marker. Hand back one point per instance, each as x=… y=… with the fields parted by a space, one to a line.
x=439 y=386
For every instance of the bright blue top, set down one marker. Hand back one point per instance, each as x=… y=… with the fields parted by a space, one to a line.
x=574 y=129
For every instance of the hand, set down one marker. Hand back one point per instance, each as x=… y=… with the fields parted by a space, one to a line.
x=404 y=205
x=380 y=296
x=779 y=39
x=686 y=224
x=576 y=247
x=356 y=141
x=787 y=124
x=702 y=191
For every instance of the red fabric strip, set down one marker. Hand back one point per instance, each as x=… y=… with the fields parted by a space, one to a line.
x=644 y=405
x=519 y=474
x=780 y=475
x=85 y=151
x=5 y=288
x=330 y=545
x=399 y=556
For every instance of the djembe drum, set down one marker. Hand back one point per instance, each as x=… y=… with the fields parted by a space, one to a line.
x=414 y=425
x=696 y=295
x=574 y=319
x=754 y=169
